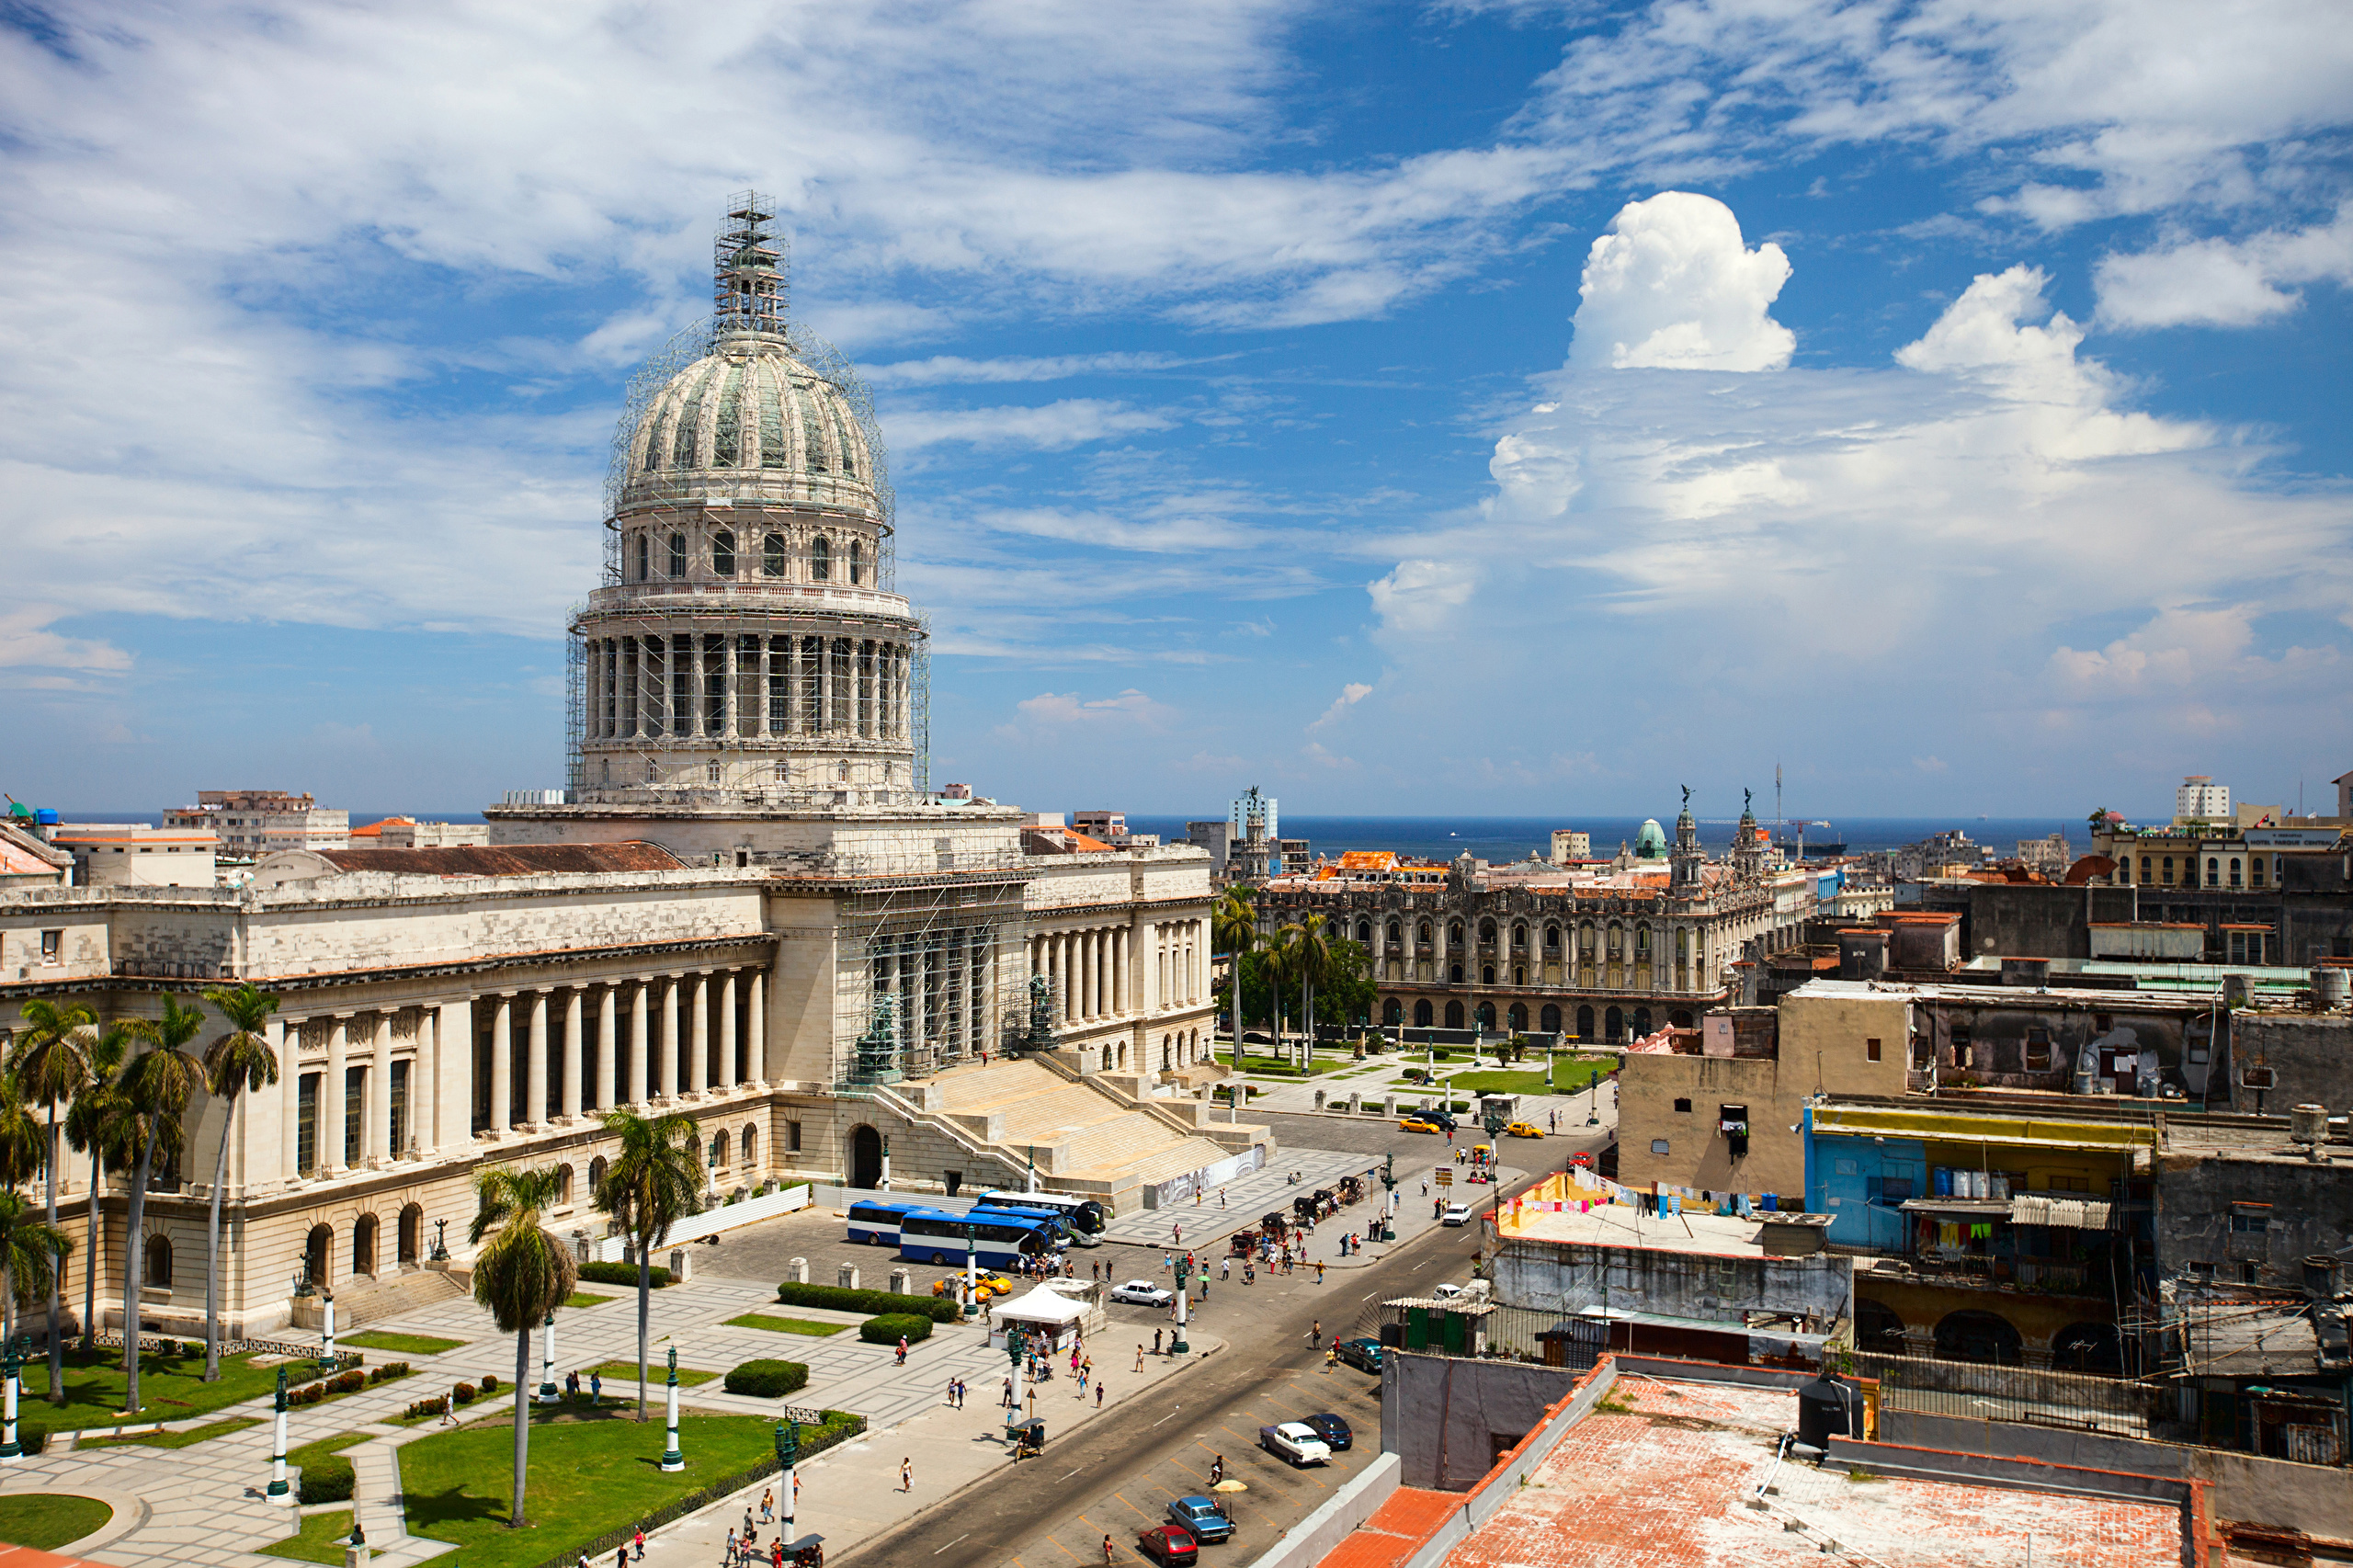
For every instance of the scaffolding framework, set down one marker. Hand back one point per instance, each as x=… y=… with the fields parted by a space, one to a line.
x=928 y=962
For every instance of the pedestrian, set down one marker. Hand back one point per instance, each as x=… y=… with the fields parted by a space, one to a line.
x=1319 y=1271
x=448 y=1410
x=1106 y=1552
x=1098 y=1396
x=1425 y=1189
x=1220 y=1198
x=775 y=1553
x=1177 y=1234
x=641 y=1546
x=906 y=1475
x=959 y=1393
x=621 y=1555
x=733 y=1547
x=903 y=1350
x=1316 y=1334
x=767 y=1506
x=1155 y=1342
x=1225 y=1267
x=951 y=1393
x=1217 y=1469
x=570 y=1386
x=1139 y=1355
x=1332 y=1355
x=1007 y=1400
x=596 y=1388
x=749 y=1533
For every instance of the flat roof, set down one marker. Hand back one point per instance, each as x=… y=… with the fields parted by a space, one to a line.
x=1665 y=1477
x=1620 y=1225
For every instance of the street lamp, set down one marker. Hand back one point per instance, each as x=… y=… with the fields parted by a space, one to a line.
x=1388 y=1204
x=547 y=1395
x=788 y=1450
x=11 y=1451
x=671 y=1458
x=280 y=1493
x=1177 y=1347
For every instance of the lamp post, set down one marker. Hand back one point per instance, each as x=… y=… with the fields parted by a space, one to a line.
x=886 y=1162
x=1593 y=1100
x=1015 y=1343
x=1389 y=1202
x=327 y=1331
x=440 y=1241
x=280 y=1493
x=11 y=1451
x=787 y=1450
x=548 y=1394
x=671 y=1458
x=1177 y=1347
x=972 y=1275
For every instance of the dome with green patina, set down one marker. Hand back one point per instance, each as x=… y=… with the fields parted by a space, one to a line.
x=1650 y=844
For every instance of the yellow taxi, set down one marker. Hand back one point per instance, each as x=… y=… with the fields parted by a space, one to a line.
x=1415 y=1124
x=1523 y=1129
x=988 y=1286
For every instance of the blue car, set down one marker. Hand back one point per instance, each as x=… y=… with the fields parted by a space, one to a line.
x=1334 y=1431
x=1202 y=1516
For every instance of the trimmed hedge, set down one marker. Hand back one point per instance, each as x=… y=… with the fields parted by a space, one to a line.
x=892 y=1327
x=936 y=1309
x=622 y=1274
x=772 y=1379
x=326 y=1480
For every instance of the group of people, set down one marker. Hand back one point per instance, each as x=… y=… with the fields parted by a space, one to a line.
x=743 y=1547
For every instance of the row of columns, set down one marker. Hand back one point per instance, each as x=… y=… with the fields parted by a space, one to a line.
x=1585 y=955
x=1110 y=971
x=943 y=986
x=363 y=1039
x=747 y=685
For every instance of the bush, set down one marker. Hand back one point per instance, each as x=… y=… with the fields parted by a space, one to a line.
x=774 y=1379
x=326 y=1480
x=463 y=1394
x=490 y=1383
x=388 y=1371
x=622 y=1274
x=892 y=1327
x=422 y=1407
x=937 y=1309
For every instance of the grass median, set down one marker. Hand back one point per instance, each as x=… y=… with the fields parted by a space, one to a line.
x=809 y=1327
x=170 y=1387
x=399 y=1343
x=47 y=1520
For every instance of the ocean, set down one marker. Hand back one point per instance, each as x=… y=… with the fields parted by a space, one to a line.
x=1496 y=839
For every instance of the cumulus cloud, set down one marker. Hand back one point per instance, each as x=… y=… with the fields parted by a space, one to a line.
x=1053 y=427
x=1673 y=286
x=25 y=641
x=1056 y=708
x=1350 y=694
x=1422 y=596
x=2223 y=282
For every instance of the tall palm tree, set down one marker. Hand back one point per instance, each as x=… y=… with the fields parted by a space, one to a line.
x=239 y=1060
x=28 y=1255
x=1310 y=951
x=157 y=1086
x=522 y=1274
x=1233 y=926
x=19 y=1159
x=52 y=1060
x=648 y=1186
x=98 y=1123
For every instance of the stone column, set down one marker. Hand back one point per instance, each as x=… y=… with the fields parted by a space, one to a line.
x=331 y=1111
x=380 y=1095
x=731 y=722
x=535 y=1065
x=570 y=1095
x=756 y=1019
x=608 y=1009
x=669 y=1061
x=453 y=1068
x=699 y=1040
x=501 y=1064
x=279 y=1031
x=761 y=721
x=639 y=1031
x=727 y=1031
x=1083 y=991
x=1140 y=964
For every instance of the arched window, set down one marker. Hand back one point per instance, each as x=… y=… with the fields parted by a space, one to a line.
x=1520 y=936
x=1425 y=934
x=1392 y=1013
x=1517 y=1017
x=1643 y=940
x=710 y=774
x=411 y=1235
x=1487 y=974
x=1454 y=934
x=1584 y=937
x=363 y=1245
x=717 y=1155
x=1617 y=938
x=772 y=556
x=2254 y=870
x=1454 y=973
x=723 y=553
x=1613 y=1024
x=1364 y=927
x=644 y=549
x=2214 y=873
x=856 y=561
x=564 y=1186
x=1682 y=942
x=1486 y=1015
x=1642 y=1021
x=595 y=1175
x=158 y=1264
x=1395 y=937
x=1551 y=939
x=841 y=772
x=1487 y=932
x=1422 y=1013
x=751 y=1141
x=1454 y=1014
x=821 y=559
x=677 y=555
x=1584 y=1023
x=1550 y=1019
x=2124 y=870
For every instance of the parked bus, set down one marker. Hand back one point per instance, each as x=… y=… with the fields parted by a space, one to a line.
x=1086 y=1215
x=929 y=1235
x=876 y=1223
x=1057 y=1227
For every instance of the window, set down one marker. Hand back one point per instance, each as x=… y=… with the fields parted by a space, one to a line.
x=1551 y=939
x=1658 y=1145
x=2037 y=1049
x=399 y=1107
x=2144 y=868
x=1683 y=1107
x=157 y=1259
x=2213 y=872
x=723 y=553
x=857 y=554
x=1487 y=974
x=2167 y=867
x=2255 y=872
x=306 y=1122
x=2249 y=1224
x=644 y=544
x=1643 y=940
x=1425 y=934
x=53 y=946
x=1520 y=936
x=792 y=1136
x=1843 y=1167
x=2124 y=870
x=677 y=555
x=1487 y=933
x=821 y=561
x=772 y=556
x=711 y=774
x=2235 y=872
x=1871 y=1051
x=1396 y=936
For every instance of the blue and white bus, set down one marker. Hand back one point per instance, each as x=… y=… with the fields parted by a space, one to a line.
x=876 y=1223
x=1002 y=1241
x=1085 y=1215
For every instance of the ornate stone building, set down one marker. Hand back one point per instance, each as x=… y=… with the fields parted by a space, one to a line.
x=1587 y=954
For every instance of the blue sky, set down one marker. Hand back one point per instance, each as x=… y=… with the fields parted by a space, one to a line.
x=1492 y=408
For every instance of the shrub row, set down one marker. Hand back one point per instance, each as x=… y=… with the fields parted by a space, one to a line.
x=938 y=1310
x=622 y=1274
x=326 y=1480
x=771 y=1379
x=892 y=1327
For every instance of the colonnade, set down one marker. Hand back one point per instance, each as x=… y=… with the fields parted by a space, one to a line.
x=1108 y=972
x=942 y=985
x=738 y=686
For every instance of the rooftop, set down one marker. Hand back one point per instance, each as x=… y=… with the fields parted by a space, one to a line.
x=1603 y=1223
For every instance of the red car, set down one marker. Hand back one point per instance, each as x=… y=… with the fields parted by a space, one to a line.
x=1170 y=1546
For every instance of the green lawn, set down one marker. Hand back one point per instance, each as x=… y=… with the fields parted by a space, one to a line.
x=193 y=1436
x=785 y=1325
x=1568 y=1073
x=583 y=1298
x=47 y=1520
x=587 y=1476
x=170 y=1388
x=656 y=1372
x=400 y=1343
x=320 y=1541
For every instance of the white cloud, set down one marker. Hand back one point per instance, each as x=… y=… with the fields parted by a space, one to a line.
x=1673 y=286
x=1050 y=427
x=2222 y=282
x=952 y=370
x=1066 y=712
x=1422 y=596
x=1350 y=694
x=26 y=642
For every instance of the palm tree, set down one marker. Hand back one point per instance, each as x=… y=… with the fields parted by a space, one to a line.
x=98 y=1123
x=1233 y=926
x=1282 y=968
x=522 y=1274
x=1311 y=952
x=53 y=1060
x=28 y=1255
x=239 y=1060
x=157 y=1086
x=648 y=1186
x=19 y=1158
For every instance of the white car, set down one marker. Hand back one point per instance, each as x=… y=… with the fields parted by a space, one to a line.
x=1143 y=1292
x=1446 y=1290
x=1457 y=1214
x=1295 y=1442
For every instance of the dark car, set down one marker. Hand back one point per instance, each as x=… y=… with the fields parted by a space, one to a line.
x=1334 y=1431
x=1445 y=1119
x=1362 y=1354
x=1203 y=1517
x=1170 y=1546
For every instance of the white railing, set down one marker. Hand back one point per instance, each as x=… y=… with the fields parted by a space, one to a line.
x=710 y=1222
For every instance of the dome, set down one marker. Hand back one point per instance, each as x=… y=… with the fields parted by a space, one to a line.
x=1650 y=844
x=752 y=413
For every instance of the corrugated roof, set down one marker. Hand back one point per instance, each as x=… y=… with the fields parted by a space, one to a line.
x=506 y=859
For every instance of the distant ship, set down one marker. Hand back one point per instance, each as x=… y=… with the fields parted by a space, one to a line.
x=1803 y=847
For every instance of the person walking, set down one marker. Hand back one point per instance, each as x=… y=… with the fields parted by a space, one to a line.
x=903 y=1350
x=1316 y=1334
x=767 y=1506
x=1007 y=1400
x=1139 y=1355
x=1098 y=1396
x=951 y=1393
x=906 y=1475
x=1319 y=1271
x=1155 y=1342
x=1330 y=1356
x=1106 y=1552
x=641 y=1546
x=596 y=1389
x=735 y=1548
x=1217 y=1469
x=621 y=1555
